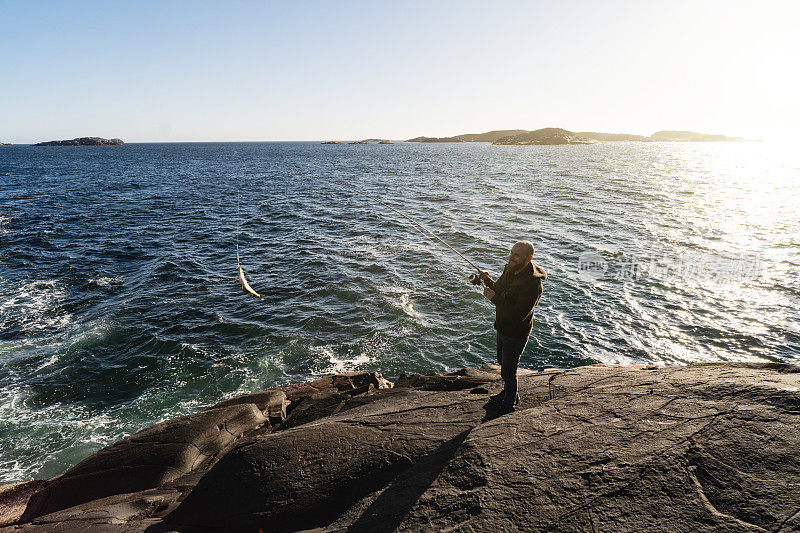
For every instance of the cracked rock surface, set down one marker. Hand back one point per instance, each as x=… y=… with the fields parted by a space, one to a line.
x=704 y=447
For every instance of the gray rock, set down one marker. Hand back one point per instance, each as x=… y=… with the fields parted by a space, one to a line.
x=700 y=448
x=305 y=477
x=704 y=447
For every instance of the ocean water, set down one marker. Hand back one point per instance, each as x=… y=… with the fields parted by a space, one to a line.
x=120 y=307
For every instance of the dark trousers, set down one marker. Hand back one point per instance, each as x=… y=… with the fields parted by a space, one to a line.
x=509 y=350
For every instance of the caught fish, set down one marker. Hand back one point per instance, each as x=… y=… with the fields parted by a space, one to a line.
x=242 y=278
x=246 y=286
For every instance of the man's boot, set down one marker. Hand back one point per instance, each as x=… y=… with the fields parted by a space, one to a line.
x=501 y=395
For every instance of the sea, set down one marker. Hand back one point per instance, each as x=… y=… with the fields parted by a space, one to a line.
x=120 y=305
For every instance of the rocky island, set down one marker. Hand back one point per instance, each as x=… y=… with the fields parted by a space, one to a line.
x=555 y=136
x=372 y=141
x=83 y=141
x=488 y=137
x=691 y=136
x=697 y=448
x=550 y=136
x=613 y=137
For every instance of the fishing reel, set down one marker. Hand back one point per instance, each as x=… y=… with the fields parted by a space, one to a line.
x=475 y=279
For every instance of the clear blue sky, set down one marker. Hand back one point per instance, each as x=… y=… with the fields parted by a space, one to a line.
x=193 y=71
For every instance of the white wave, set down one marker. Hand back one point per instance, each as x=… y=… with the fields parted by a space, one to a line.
x=106 y=281
x=35 y=306
x=408 y=306
x=196 y=348
x=51 y=360
x=401 y=299
x=329 y=363
x=48 y=439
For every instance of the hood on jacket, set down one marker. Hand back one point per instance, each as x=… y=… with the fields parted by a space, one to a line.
x=539 y=272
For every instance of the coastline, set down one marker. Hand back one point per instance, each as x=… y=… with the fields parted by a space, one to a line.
x=701 y=447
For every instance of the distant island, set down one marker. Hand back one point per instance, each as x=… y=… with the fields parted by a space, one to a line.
x=691 y=136
x=545 y=136
x=488 y=137
x=612 y=137
x=557 y=136
x=83 y=141
x=363 y=141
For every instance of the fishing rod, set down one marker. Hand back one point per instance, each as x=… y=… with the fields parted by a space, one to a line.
x=475 y=279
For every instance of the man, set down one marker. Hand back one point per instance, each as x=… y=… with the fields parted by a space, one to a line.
x=514 y=295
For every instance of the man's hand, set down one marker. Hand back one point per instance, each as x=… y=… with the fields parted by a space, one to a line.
x=489 y=293
x=484 y=275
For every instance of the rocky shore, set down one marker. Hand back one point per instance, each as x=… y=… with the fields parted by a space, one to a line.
x=704 y=447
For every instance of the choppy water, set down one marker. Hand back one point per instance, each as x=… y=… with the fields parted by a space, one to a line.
x=119 y=304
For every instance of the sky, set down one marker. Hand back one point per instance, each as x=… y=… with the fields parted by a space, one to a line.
x=260 y=71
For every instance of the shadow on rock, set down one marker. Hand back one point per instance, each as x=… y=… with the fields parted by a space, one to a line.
x=386 y=512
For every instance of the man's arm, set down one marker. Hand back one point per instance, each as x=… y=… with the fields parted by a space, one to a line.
x=487 y=279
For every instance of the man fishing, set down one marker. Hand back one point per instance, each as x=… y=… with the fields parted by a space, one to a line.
x=514 y=295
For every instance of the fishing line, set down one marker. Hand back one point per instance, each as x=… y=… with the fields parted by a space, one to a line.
x=238 y=229
x=242 y=278
x=475 y=279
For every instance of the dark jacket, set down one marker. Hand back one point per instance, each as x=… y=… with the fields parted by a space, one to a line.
x=515 y=297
